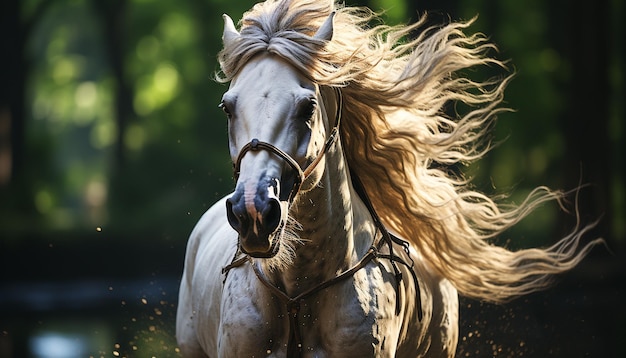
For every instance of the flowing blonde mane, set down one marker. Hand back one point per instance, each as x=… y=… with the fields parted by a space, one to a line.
x=397 y=136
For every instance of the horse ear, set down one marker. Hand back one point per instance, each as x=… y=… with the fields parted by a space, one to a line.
x=325 y=32
x=230 y=32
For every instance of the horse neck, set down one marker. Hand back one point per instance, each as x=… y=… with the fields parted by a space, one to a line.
x=336 y=230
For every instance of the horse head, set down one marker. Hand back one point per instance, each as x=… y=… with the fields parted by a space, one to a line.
x=278 y=132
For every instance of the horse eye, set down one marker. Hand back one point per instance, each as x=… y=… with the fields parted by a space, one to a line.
x=307 y=108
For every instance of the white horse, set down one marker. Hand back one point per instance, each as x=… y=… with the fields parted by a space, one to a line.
x=298 y=261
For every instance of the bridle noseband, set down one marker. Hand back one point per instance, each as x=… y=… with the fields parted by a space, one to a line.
x=301 y=175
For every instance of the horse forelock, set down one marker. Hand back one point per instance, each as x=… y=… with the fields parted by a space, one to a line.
x=283 y=28
x=395 y=88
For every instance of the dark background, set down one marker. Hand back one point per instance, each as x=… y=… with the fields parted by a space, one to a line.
x=112 y=146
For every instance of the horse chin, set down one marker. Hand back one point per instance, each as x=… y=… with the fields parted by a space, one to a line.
x=274 y=247
x=264 y=248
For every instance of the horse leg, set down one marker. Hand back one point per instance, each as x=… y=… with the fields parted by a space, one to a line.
x=185 y=325
x=445 y=321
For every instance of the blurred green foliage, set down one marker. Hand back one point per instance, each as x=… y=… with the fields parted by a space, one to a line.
x=173 y=143
x=156 y=172
x=123 y=138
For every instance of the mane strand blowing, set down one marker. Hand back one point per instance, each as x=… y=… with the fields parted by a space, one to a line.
x=395 y=128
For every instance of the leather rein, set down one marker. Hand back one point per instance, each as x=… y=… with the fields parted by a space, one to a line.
x=292 y=304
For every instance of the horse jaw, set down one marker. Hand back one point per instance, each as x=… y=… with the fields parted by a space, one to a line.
x=230 y=32
x=325 y=32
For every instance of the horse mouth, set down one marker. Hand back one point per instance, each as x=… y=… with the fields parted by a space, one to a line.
x=273 y=250
x=259 y=247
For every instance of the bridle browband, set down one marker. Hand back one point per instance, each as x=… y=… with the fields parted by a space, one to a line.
x=301 y=175
x=292 y=304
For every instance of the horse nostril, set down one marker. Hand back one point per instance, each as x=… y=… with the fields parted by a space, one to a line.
x=236 y=217
x=272 y=215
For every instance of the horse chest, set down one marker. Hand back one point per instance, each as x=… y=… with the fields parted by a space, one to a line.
x=344 y=320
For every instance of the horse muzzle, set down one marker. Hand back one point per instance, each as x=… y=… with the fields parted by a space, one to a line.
x=256 y=214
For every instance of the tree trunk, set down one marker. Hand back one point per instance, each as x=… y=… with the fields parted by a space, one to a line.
x=113 y=15
x=12 y=91
x=589 y=157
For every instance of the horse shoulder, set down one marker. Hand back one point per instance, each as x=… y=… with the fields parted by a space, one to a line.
x=211 y=245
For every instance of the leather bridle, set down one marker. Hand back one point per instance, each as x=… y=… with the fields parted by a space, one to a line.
x=292 y=304
x=256 y=145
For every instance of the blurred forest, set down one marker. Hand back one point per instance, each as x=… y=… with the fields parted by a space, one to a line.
x=112 y=147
